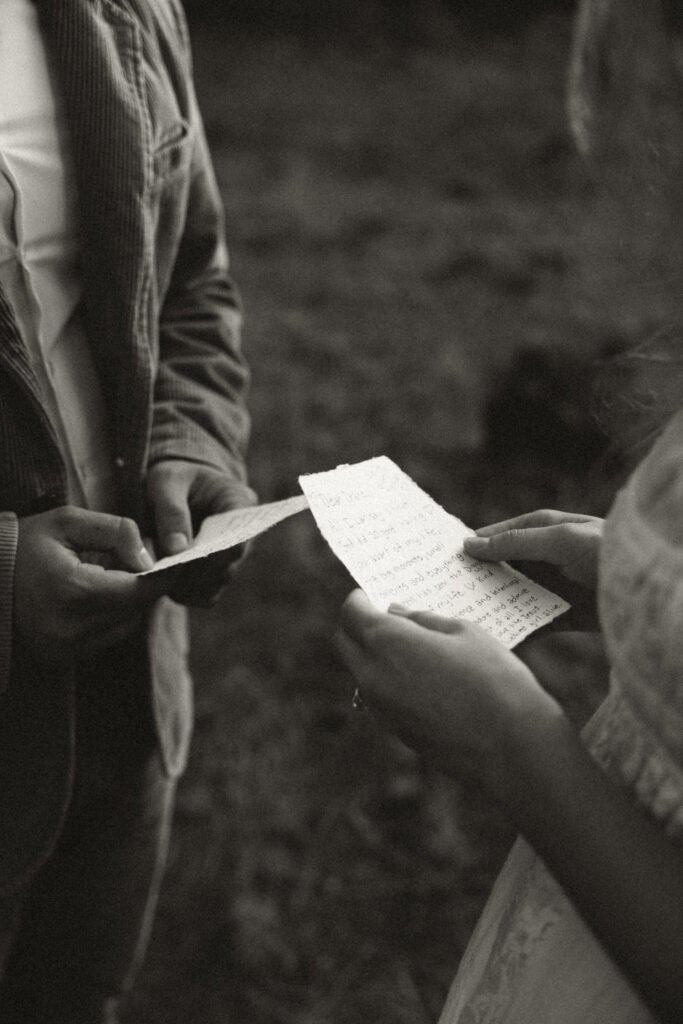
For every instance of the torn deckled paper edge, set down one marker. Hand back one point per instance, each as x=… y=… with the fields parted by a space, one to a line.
x=228 y=529
x=401 y=546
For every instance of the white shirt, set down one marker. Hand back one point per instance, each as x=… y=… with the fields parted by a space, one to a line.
x=39 y=253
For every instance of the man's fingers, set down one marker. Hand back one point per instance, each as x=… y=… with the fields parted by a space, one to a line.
x=98 y=531
x=172 y=515
x=221 y=494
x=106 y=592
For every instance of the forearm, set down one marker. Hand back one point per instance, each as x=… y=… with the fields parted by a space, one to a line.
x=572 y=666
x=475 y=710
x=623 y=874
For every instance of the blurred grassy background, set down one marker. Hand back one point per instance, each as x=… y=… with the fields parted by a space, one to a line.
x=428 y=272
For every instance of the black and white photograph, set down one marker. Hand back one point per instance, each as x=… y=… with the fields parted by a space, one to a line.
x=341 y=512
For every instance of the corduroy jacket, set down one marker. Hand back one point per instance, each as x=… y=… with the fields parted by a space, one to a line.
x=163 y=323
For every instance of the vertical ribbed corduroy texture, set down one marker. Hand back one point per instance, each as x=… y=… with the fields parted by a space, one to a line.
x=8 y=547
x=31 y=467
x=100 y=62
x=14 y=354
x=159 y=299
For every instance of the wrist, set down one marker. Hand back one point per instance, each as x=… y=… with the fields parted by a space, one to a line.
x=535 y=734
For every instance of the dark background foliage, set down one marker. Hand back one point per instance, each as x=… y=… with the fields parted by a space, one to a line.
x=402 y=18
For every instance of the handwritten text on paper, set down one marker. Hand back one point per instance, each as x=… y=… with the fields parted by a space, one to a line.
x=401 y=546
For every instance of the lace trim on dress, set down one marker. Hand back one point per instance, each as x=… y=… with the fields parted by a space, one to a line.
x=532 y=910
x=633 y=757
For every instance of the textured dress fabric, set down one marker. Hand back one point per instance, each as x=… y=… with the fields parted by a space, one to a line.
x=532 y=959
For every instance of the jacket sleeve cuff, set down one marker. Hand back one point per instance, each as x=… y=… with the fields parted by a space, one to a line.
x=9 y=531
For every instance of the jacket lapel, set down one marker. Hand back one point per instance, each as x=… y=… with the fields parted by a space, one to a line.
x=14 y=355
x=98 y=56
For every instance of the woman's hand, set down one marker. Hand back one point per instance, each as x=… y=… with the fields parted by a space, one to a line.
x=568 y=541
x=559 y=550
x=468 y=704
x=448 y=688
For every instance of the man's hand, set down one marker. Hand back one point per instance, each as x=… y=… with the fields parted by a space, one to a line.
x=66 y=604
x=182 y=494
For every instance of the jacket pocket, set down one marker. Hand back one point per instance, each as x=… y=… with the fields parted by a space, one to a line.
x=172 y=154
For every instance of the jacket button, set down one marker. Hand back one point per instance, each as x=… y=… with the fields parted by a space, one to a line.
x=119 y=462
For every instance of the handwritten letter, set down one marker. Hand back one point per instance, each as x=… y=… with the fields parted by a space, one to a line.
x=401 y=546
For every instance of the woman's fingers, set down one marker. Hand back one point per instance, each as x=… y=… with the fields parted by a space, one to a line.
x=349 y=652
x=533 y=544
x=541 y=517
x=569 y=543
x=358 y=614
x=427 y=619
